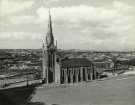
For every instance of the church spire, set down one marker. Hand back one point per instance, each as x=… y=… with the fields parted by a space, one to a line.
x=49 y=36
x=49 y=54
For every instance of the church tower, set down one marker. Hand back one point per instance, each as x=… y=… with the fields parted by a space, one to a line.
x=49 y=54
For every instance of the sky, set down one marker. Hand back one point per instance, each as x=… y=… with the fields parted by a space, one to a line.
x=101 y=25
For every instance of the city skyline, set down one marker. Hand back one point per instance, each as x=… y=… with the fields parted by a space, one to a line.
x=93 y=25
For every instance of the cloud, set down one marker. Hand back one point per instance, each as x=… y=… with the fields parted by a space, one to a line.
x=91 y=27
x=17 y=40
x=23 y=19
x=47 y=2
x=121 y=6
x=12 y=6
x=18 y=36
x=42 y=14
x=101 y=25
x=54 y=0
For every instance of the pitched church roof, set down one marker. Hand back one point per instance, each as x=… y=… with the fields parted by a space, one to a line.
x=75 y=62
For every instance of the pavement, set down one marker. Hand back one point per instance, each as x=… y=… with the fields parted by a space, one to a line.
x=114 y=91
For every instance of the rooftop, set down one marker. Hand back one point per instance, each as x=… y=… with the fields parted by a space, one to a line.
x=75 y=62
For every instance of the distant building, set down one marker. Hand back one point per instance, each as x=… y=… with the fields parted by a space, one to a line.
x=121 y=65
x=101 y=66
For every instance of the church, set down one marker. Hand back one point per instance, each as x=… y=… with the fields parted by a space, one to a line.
x=63 y=71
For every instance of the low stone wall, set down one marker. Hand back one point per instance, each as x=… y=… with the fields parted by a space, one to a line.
x=62 y=85
x=70 y=85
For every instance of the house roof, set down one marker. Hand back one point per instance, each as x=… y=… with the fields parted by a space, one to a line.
x=75 y=62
